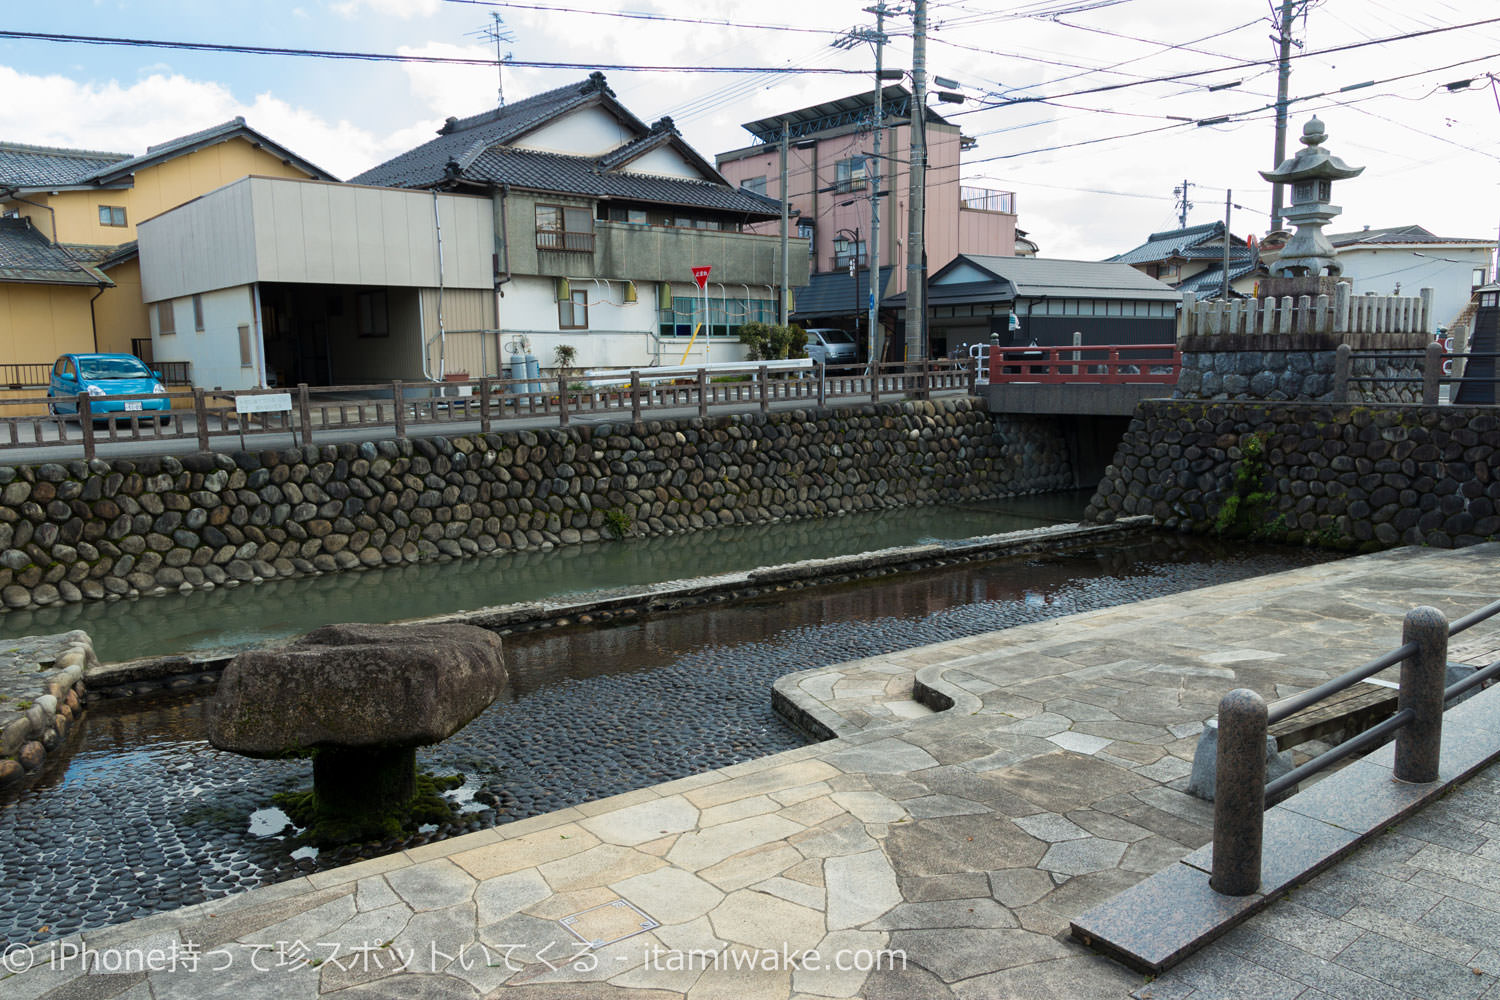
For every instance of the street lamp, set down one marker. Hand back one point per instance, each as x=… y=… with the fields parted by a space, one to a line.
x=853 y=236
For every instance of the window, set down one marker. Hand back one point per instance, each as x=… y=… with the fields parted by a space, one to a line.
x=634 y=216
x=806 y=231
x=846 y=251
x=564 y=227
x=850 y=173
x=725 y=316
x=112 y=215
x=198 y=313
x=1481 y=277
x=573 y=312
x=247 y=350
x=166 y=321
x=755 y=185
x=373 y=315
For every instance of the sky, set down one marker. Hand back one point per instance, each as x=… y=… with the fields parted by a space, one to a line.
x=1093 y=173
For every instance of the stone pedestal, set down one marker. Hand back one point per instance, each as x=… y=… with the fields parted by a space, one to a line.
x=1309 y=285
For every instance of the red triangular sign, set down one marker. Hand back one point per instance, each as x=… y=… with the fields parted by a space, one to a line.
x=700 y=275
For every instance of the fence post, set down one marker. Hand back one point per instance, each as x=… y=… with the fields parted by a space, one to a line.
x=1423 y=677
x=86 y=425
x=485 y=388
x=822 y=386
x=400 y=403
x=635 y=396
x=874 y=383
x=1239 y=793
x=702 y=392
x=304 y=412
x=562 y=400
x=1343 y=362
x=1432 y=373
x=765 y=388
x=200 y=418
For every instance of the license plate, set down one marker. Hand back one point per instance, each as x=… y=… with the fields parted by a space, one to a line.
x=132 y=404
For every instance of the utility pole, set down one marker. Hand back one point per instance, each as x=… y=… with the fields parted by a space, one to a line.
x=916 y=285
x=786 y=265
x=1283 y=80
x=1228 y=195
x=1183 y=205
x=876 y=347
x=876 y=336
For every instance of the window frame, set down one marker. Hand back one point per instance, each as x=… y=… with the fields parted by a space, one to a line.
x=166 y=318
x=577 y=298
x=562 y=239
x=847 y=177
x=107 y=216
x=198 y=324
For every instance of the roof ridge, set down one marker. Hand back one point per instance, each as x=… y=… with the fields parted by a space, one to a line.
x=237 y=121
x=97 y=154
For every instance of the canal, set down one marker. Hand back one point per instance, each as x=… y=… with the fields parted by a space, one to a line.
x=141 y=814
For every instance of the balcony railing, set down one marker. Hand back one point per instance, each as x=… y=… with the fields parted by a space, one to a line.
x=549 y=239
x=987 y=200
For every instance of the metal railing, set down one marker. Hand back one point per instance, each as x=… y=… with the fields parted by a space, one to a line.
x=1434 y=362
x=1240 y=787
x=1105 y=364
x=21 y=376
x=489 y=403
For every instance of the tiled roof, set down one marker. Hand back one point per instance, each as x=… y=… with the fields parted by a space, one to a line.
x=42 y=167
x=475 y=150
x=1397 y=235
x=23 y=166
x=834 y=293
x=1034 y=277
x=27 y=255
x=1211 y=282
x=200 y=139
x=578 y=175
x=1203 y=242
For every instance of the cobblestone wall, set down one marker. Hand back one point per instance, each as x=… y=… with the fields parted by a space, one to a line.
x=1342 y=475
x=1299 y=367
x=109 y=529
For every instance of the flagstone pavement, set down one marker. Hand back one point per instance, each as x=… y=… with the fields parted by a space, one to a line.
x=962 y=840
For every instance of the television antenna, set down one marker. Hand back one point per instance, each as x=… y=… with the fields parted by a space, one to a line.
x=497 y=32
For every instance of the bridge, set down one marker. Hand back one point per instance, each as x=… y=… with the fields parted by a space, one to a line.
x=1106 y=380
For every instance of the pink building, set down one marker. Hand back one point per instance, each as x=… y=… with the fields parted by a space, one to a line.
x=829 y=181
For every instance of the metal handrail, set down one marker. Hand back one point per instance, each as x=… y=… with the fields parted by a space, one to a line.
x=1240 y=786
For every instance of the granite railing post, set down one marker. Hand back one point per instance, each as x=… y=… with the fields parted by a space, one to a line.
x=1424 y=319
x=86 y=425
x=1432 y=373
x=304 y=411
x=635 y=396
x=1423 y=677
x=1341 y=294
x=1343 y=362
x=398 y=409
x=1239 y=794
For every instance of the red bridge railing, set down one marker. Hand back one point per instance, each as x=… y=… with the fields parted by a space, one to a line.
x=1105 y=364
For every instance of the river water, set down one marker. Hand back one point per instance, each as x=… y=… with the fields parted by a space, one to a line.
x=231 y=617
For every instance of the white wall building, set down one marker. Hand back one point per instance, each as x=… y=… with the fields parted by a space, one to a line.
x=1402 y=259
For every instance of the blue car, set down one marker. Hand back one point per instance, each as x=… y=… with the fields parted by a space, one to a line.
x=103 y=377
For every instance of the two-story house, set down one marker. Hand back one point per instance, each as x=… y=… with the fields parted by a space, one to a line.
x=600 y=220
x=1399 y=260
x=68 y=222
x=831 y=173
x=1192 y=260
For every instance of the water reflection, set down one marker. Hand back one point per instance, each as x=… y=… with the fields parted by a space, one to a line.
x=229 y=617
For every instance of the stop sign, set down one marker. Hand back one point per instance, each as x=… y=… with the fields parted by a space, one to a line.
x=700 y=275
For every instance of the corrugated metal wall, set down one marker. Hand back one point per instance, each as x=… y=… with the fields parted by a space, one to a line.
x=466 y=312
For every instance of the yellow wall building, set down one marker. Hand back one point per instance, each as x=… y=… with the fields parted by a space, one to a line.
x=69 y=277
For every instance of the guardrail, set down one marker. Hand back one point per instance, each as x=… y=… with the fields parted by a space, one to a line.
x=399 y=407
x=1240 y=788
x=1105 y=364
x=1435 y=365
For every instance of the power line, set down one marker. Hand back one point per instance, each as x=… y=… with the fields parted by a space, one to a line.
x=644 y=16
x=264 y=50
x=1242 y=65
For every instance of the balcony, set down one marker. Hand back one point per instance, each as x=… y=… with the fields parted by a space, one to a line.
x=667 y=253
x=552 y=239
x=978 y=199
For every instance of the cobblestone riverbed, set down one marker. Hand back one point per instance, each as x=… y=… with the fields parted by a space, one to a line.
x=141 y=814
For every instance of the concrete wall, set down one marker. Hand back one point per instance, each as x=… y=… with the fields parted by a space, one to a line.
x=100 y=530
x=1344 y=476
x=1446 y=269
x=214 y=351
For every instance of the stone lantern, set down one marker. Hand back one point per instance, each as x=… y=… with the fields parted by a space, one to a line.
x=1311 y=174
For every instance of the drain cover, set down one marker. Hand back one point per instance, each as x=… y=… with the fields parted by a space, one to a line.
x=608 y=922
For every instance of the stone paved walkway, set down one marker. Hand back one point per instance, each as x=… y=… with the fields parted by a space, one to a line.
x=965 y=839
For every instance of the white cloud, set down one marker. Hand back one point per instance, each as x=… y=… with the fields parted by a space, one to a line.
x=404 y=9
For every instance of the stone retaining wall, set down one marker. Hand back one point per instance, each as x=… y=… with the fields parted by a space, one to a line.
x=1300 y=367
x=110 y=529
x=1341 y=475
x=41 y=695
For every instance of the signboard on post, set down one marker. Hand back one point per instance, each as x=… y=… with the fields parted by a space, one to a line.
x=700 y=275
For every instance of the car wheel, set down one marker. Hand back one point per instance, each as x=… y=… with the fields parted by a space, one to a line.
x=165 y=421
